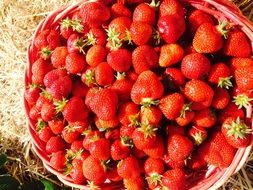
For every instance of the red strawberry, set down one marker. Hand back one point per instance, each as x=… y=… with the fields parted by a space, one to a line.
x=76 y=172
x=75 y=43
x=195 y=66
x=196 y=18
x=44 y=132
x=147 y=88
x=120 y=149
x=204 y=118
x=80 y=126
x=48 y=111
x=151 y=115
x=170 y=7
x=237 y=44
x=236 y=132
x=197 y=134
x=129 y=114
x=138 y=154
x=174 y=179
x=104 y=74
x=77 y=145
x=175 y=129
x=198 y=91
x=32 y=94
x=140 y=33
x=39 y=69
x=59 y=56
x=129 y=168
x=94 y=170
x=217 y=151
x=175 y=76
x=171 y=105
x=220 y=75
x=75 y=110
x=122 y=86
x=112 y=173
x=179 y=147
x=104 y=104
x=170 y=54
x=95 y=36
x=90 y=137
x=133 y=184
x=173 y=164
x=171 y=27
x=145 y=13
x=186 y=116
x=221 y=98
x=34 y=113
x=79 y=89
x=58 y=83
x=89 y=96
x=58 y=160
x=244 y=78
x=67 y=27
x=120 y=10
x=70 y=134
x=55 y=144
x=43 y=99
x=126 y=131
x=95 y=55
x=238 y=62
x=95 y=13
x=106 y=124
x=144 y=137
x=75 y=63
x=144 y=58
x=189 y=49
x=88 y=77
x=120 y=60
x=101 y=149
x=211 y=35
x=132 y=75
x=158 y=148
x=113 y=134
x=195 y=162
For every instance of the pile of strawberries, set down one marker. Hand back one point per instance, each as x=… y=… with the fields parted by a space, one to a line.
x=139 y=93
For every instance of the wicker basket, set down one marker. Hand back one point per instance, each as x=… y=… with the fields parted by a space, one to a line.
x=213 y=177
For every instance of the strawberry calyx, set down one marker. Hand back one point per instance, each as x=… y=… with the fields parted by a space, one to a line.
x=242 y=100
x=238 y=129
x=147 y=102
x=154 y=178
x=120 y=76
x=222 y=28
x=225 y=82
x=105 y=164
x=128 y=37
x=126 y=141
x=113 y=37
x=134 y=120
x=59 y=105
x=40 y=125
x=90 y=40
x=79 y=43
x=154 y=4
x=89 y=77
x=198 y=138
x=186 y=108
x=45 y=52
x=157 y=37
x=45 y=94
x=33 y=86
x=87 y=131
x=94 y=138
x=148 y=130
x=74 y=24
x=92 y=185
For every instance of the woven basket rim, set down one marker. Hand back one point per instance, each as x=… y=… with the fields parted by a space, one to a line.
x=215 y=177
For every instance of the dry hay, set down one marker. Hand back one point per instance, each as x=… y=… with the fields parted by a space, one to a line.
x=18 y=20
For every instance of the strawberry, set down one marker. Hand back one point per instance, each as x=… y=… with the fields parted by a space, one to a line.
x=195 y=66
x=170 y=7
x=179 y=147
x=32 y=94
x=151 y=115
x=120 y=60
x=70 y=134
x=75 y=63
x=75 y=43
x=55 y=144
x=106 y=124
x=237 y=44
x=153 y=168
x=140 y=33
x=174 y=179
x=69 y=27
x=79 y=89
x=171 y=105
x=195 y=162
x=236 y=132
x=112 y=173
x=58 y=83
x=175 y=76
x=144 y=57
x=122 y=86
x=171 y=27
x=104 y=74
x=147 y=89
x=221 y=98
x=133 y=184
x=58 y=57
x=120 y=10
x=220 y=75
x=217 y=151
x=189 y=49
x=76 y=172
x=95 y=36
x=196 y=18
x=144 y=137
x=129 y=168
x=34 y=113
x=197 y=134
x=173 y=164
x=145 y=13
x=158 y=148
x=58 y=160
x=89 y=96
x=95 y=13
x=74 y=110
x=198 y=91
x=88 y=77
x=104 y=104
x=132 y=75
x=243 y=100
x=244 y=78
x=205 y=118
x=129 y=114
x=170 y=54
x=120 y=149
x=39 y=69
x=112 y=134
x=77 y=145
x=94 y=170
x=80 y=126
x=43 y=99
x=48 y=111
x=95 y=55
x=90 y=137
x=211 y=35
x=101 y=149
x=44 y=132
x=175 y=129
x=186 y=115
x=138 y=153
x=237 y=62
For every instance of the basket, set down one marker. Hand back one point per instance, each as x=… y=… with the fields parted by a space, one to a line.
x=213 y=177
